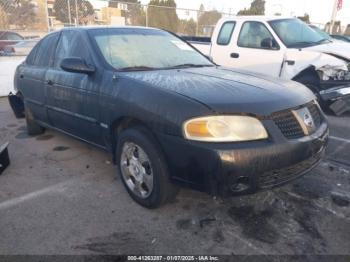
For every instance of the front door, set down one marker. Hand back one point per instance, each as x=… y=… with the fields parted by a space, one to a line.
x=73 y=97
x=257 y=50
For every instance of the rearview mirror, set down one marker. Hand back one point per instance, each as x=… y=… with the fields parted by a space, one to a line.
x=76 y=65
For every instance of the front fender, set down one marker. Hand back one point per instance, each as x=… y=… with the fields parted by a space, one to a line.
x=296 y=61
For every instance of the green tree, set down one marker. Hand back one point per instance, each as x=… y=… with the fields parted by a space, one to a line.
x=305 y=18
x=187 y=27
x=257 y=7
x=84 y=13
x=207 y=19
x=134 y=15
x=162 y=14
x=3 y=19
x=20 y=13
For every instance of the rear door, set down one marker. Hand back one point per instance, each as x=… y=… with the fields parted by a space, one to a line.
x=73 y=97
x=31 y=76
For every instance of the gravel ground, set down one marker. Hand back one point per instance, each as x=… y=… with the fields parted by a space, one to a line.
x=62 y=196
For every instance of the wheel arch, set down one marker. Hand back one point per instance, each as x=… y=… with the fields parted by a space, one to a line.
x=309 y=77
x=122 y=123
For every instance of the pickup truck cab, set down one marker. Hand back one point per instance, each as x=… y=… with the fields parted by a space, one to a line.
x=286 y=48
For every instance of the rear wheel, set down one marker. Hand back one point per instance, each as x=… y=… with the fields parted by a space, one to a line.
x=33 y=128
x=143 y=169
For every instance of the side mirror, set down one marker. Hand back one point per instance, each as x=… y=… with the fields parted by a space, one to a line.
x=268 y=43
x=76 y=65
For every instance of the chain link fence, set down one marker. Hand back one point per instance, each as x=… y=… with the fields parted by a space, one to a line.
x=33 y=18
x=28 y=18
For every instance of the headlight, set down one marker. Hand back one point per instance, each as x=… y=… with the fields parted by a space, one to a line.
x=224 y=129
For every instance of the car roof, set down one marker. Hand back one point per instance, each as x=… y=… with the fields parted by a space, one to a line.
x=87 y=28
x=260 y=18
x=8 y=31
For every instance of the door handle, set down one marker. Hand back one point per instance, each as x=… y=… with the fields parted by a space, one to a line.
x=49 y=82
x=234 y=55
x=290 y=62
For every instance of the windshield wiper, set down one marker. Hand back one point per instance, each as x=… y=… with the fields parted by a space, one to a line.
x=309 y=43
x=188 y=65
x=303 y=44
x=323 y=41
x=137 y=68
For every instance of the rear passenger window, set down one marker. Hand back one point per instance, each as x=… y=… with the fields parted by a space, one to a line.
x=43 y=52
x=31 y=57
x=71 y=44
x=225 y=33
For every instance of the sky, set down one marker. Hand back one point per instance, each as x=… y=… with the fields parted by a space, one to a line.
x=320 y=11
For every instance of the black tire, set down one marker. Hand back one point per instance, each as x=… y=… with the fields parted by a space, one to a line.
x=33 y=128
x=163 y=190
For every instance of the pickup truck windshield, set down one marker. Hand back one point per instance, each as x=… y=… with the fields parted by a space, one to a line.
x=296 y=34
x=145 y=49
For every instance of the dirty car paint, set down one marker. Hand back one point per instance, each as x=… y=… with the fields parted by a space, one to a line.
x=92 y=107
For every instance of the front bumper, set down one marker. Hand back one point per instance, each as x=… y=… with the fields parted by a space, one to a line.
x=335 y=93
x=237 y=168
x=338 y=99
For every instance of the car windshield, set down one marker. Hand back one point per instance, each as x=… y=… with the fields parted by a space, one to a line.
x=296 y=34
x=145 y=49
x=321 y=32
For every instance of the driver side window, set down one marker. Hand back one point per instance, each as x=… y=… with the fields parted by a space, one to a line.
x=71 y=44
x=256 y=35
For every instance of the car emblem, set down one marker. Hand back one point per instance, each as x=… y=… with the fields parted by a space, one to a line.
x=308 y=120
x=305 y=120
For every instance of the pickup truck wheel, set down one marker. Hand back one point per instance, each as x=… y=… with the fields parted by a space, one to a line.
x=33 y=128
x=143 y=169
x=312 y=82
x=323 y=104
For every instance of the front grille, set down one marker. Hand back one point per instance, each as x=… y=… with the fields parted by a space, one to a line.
x=281 y=176
x=315 y=113
x=289 y=125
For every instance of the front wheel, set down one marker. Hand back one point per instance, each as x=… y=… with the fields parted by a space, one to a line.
x=143 y=169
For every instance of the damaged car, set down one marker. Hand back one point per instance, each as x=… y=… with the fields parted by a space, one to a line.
x=168 y=115
x=285 y=48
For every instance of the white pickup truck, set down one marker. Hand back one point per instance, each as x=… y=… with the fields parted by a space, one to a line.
x=286 y=48
x=8 y=65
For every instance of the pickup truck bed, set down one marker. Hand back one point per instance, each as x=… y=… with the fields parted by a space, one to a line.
x=201 y=43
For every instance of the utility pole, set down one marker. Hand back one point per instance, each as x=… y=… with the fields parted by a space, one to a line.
x=69 y=15
x=334 y=15
x=47 y=16
x=76 y=13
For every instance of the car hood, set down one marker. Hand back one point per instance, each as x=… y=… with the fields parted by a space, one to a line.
x=341 y=49
x=226 y=90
